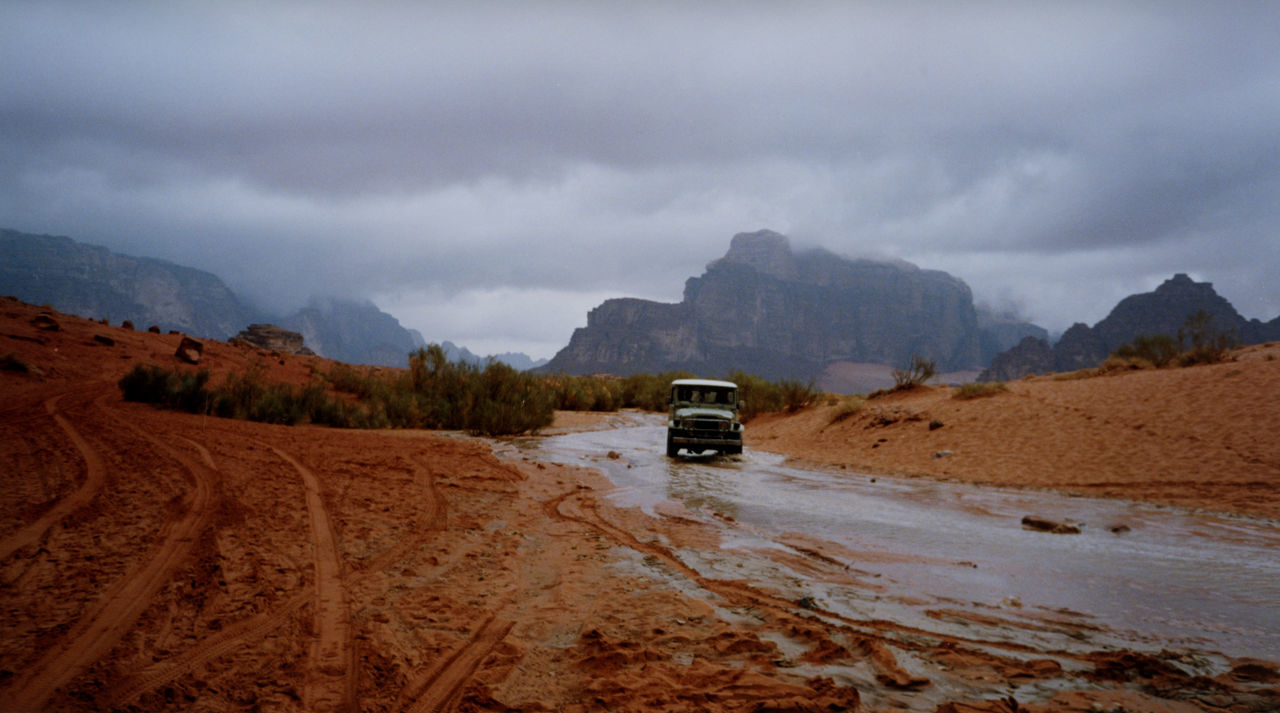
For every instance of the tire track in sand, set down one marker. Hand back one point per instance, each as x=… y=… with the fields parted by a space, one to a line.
x=209 y=648
x=330 y=683
x=258 y=626
x=111 y=616
x=439 y=688
x=95 y=477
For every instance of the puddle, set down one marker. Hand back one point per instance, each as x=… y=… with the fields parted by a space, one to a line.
x=1173 y=579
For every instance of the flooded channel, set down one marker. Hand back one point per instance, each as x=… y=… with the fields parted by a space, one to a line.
x=1139 y=576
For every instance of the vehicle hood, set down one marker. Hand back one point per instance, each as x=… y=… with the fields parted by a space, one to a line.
x=704 y=412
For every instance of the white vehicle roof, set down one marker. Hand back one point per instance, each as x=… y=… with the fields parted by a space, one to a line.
x=705 y=382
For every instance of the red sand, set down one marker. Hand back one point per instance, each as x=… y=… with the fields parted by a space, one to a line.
x=152 y=561
x=1203 y=436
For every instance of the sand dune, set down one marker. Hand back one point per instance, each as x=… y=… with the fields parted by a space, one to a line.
x=1203 y=436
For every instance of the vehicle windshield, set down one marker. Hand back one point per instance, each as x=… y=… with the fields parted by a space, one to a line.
x=706 y=395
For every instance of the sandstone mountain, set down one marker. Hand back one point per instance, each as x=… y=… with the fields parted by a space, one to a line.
x=94 y=282
x=768 y=311
x=354 y=332
x=1162 y=311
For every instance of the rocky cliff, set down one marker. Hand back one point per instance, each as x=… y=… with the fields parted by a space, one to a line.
x=354 y=332
x=1163 y=311
x=768 y=311
x=94 y=282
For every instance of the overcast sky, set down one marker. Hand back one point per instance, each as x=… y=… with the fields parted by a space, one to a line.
x=487 y=172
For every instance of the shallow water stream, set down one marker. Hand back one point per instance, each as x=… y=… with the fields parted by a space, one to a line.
x=1169 y=579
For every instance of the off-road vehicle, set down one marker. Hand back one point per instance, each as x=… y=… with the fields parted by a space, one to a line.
x=704 y=417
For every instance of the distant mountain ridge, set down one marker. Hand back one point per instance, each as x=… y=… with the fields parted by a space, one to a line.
x=515 y=360
x=768 y=311
x=92 y=281
x=1163 y=311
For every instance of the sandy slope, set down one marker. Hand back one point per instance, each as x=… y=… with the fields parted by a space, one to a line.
x=1205 y=436
x=157 y=561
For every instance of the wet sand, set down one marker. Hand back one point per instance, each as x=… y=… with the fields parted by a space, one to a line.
x=154 y=561
x=1198 y=437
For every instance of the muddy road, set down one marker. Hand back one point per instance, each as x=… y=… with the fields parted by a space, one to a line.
x=955 y=558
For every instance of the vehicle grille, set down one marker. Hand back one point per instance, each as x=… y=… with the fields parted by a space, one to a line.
x=706 y=424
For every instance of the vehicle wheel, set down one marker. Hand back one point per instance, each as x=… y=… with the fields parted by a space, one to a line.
x=672 y=448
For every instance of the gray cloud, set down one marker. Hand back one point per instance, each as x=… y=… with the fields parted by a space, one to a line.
x=1052 y=156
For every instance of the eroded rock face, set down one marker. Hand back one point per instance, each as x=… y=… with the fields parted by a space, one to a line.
x=94 y=282
x=1031 y=356
x=272 y=338
x=1079 y=348
x=770 y=312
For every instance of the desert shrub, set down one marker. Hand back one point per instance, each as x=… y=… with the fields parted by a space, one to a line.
x=1115 y=363
x=181 y=391
x=586 y=393
x=846 y=407
x=759 y=395
x=1202 y=343
x=650 y=392
x=13 y=362
x=361 y=383
x=1074 y=375
x=505 y=401
x=796 y=395
x=917 y=372
x=243 y=395
x=978 y=389
x=1155 y=349
x=442 y=388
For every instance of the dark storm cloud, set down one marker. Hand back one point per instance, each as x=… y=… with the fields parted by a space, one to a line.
x=425 y=151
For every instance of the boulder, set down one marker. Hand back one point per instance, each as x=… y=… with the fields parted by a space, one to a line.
x=1041 y=524
x=46 y=323
x=189 y=350
x=271 y=338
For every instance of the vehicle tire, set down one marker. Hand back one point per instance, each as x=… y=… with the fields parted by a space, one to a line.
x=672 y=448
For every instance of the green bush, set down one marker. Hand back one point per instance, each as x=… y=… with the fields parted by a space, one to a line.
x=650 y=392
x=1202 y=343
x=181 y=391
x=506 y=401
x=760 y=395
x=1155 y=349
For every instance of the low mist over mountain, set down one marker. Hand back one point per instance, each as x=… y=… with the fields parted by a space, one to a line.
x=765 y=310
x=515 y=360
x=94 y=282
x=354 y=332
x=1162 y=311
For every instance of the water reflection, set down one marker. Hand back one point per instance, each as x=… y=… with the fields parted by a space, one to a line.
x=1176 y=575
x=701 y=488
